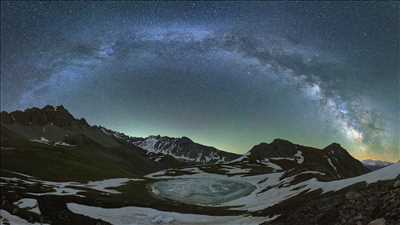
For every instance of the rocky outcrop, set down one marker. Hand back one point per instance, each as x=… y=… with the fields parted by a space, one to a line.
x=344 y=163
x=376 y=204
x=48 y=115
x=277 y=148
x=380 y=221
x=333 y=161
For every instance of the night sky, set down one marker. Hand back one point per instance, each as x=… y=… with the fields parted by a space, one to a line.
x=227 y=74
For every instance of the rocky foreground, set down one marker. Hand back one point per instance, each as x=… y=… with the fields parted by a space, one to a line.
x=376 y=204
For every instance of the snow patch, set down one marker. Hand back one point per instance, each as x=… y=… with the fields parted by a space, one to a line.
x=60 y=143
x=239 y=159
x=30 y=204
x=162 y=219
x=105 y=185
x=299 y=157
x=333 y=166
x=71 y=188
x=370 y=162
x=282 y=158
x=41 y=140
x=312 y=172
x=147 y=216
x=7 y=218
x=268 y=163
x=230 y=170
x=280 y=190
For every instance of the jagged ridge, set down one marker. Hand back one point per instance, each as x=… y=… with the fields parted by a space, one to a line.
x=184 y=149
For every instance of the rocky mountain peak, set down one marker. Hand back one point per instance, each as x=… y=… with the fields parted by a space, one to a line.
x=177 y=140
x=279 y=141
x=336 y=149
x=277 y=148
x=48 y=115
x=334 y=146
x=182 y=148
x=61 y=108
x=186 y=139
x=48 y=108
x=334 y=160
x=153 y=137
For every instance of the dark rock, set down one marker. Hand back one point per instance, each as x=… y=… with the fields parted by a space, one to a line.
x=352 y=195
x=396 y=184
x=380 y=221
x=333 y=162
x=5 y=117
x=48 y=115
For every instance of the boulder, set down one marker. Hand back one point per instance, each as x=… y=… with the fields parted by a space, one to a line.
x=396 y=184
x=380 y=221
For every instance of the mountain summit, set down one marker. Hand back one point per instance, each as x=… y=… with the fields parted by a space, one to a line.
x=333 y=161
x=48 y=115
x=183 y=149
x=51 y=143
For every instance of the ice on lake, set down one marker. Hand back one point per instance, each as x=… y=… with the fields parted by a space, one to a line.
x=202 y=191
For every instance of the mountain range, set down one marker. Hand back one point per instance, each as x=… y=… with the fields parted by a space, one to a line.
x=55 y=128
x=74 y=172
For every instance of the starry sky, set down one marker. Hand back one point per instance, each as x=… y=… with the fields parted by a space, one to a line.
x=226 y=74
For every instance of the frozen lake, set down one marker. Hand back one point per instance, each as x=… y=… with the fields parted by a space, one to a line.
x=202 y=191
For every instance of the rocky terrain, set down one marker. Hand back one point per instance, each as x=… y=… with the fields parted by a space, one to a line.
x=56 y=169
x=375 y=204
x=184 y=149
x=69 y=147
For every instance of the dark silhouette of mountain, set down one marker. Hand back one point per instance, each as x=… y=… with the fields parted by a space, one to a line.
x=333 y=161
x=51 y=143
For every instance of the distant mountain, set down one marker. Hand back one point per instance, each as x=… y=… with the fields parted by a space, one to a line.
x=375 y=164
x=332 y=162
x=165 y=161
x=54 y=127
x=183 y=149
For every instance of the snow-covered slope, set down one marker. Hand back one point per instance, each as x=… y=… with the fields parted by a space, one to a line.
x=247 y=198
x=148 y=216
x=282 y=155
x=272 y=188
x=183 y=149
x=7 y=218
x=375 y=164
